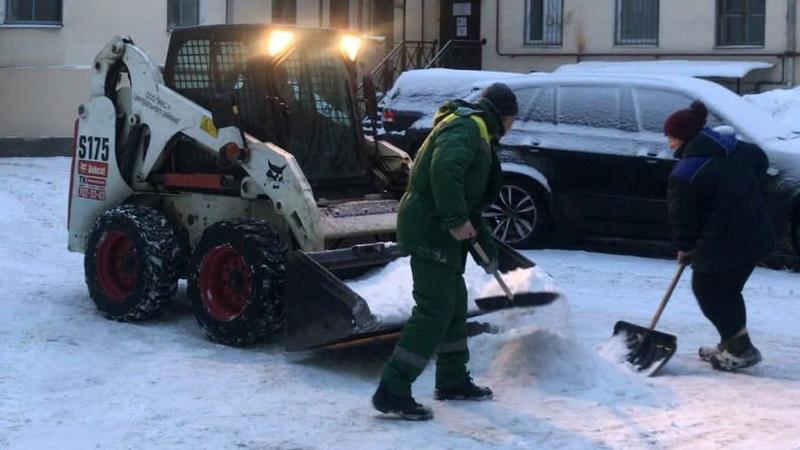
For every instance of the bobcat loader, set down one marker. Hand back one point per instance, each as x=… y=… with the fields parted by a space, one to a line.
x=242 y=167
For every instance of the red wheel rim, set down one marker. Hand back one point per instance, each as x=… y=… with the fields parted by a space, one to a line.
x=117 y=265
x=224 y=282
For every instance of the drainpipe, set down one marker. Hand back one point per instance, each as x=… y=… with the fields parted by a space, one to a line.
x=422 y=21
x=404 y=20
x=321 y=8
x=791 y=36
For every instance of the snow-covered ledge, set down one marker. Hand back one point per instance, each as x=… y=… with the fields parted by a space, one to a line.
x=692 y=68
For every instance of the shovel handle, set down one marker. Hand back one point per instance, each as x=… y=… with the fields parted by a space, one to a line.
x=485 y=258
x=667 y=295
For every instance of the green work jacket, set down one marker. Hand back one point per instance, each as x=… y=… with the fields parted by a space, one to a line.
x=455 y=176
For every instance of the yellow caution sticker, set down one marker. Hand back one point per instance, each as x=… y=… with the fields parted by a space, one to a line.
x=207 y=125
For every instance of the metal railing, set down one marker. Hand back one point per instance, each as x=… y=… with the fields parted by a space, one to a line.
x=407 y=55
x=454 y=50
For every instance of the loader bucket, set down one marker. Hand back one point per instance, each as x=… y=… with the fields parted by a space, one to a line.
x=319 y=307
x=321 y=310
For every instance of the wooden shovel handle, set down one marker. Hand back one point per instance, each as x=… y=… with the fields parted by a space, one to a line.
x=485 y=258
x=667 y=295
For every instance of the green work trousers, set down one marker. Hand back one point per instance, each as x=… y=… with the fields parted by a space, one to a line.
x=437 y=325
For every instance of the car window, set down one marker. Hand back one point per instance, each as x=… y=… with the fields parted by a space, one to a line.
x=655 y=105
x=590 y=106
x=537 y=104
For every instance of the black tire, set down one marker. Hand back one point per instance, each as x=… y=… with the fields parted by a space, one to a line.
x=132 y=262
x=519 y=217
x=236 y=281
x=796 y=238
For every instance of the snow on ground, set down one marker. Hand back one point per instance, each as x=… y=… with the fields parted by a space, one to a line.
x=71 y=379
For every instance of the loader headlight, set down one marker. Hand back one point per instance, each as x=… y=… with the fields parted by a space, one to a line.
x=279 y=41
x=350 y=45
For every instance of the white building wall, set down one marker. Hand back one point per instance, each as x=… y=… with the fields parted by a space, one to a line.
x=686 y=28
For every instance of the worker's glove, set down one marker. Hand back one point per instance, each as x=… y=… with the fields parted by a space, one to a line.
x=464 y=232
x=685 y=258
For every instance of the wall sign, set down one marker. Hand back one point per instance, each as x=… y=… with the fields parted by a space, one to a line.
x=462 y=9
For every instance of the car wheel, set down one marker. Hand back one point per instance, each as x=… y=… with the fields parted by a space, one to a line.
x=519 y=216
x=236 y=284
x=132 y=262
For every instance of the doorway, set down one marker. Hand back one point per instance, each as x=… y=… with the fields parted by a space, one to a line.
x=460 y=21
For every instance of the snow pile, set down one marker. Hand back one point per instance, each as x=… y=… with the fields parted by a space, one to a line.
x=388 y=290
x=781 y=104
x=537 y=352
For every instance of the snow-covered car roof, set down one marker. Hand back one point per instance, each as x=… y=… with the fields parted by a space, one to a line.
x=424 y=90
x=695 y=68
x=752 y=123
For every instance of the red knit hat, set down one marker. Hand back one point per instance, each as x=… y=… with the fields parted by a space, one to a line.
x=686 y=123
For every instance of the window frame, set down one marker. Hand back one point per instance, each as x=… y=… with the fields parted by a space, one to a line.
x=648 y=42
x=546 y=40
x=5 y=23
x=178 y=25
x=283 y=20
x=719 y=23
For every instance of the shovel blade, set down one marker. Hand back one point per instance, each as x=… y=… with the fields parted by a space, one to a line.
x=523 y=299
x=648 y=350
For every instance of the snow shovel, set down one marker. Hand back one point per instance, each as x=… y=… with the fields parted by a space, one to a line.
x=649 y=349
x=509 y=300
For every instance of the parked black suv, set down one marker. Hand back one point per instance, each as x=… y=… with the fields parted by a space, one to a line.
x=587 y=158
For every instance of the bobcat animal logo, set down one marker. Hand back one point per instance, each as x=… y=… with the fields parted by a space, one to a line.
x=275 y=173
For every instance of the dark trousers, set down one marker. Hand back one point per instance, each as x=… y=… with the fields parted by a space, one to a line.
x=720 y=298
x=436 y=327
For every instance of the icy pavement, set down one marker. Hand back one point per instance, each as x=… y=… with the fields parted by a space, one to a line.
x=72 y=379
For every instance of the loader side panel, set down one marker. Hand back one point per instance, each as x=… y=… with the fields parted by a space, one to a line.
x=97 y=184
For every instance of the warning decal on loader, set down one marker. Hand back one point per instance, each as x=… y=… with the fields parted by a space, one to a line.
x=92 y=179
x=207 y=125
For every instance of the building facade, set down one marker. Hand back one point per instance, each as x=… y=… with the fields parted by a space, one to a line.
x=46 y=46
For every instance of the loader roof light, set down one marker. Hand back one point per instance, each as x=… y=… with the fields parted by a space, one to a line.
x=278 y=42
x=350 y=45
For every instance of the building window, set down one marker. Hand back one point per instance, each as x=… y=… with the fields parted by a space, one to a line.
x=637 y=22
x=37 y=12
x=340 y=14
x=740 y=22
x=182 y=13
x=543 y=22
x=284 y=11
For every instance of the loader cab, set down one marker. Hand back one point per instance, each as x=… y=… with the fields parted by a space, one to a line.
x=292 y=86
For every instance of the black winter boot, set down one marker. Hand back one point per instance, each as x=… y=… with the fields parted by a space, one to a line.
x=737 y=353
x=465 y=390
x=402 y=406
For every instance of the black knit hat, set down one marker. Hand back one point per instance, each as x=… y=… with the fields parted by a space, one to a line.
x=502 y=98
x=686 y=123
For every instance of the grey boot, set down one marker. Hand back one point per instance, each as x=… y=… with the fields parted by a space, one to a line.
x=736 y=353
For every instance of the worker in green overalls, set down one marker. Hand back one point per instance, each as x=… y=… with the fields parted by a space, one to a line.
x=456 y=175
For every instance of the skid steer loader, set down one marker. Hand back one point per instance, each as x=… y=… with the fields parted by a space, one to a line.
x=242 y=167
